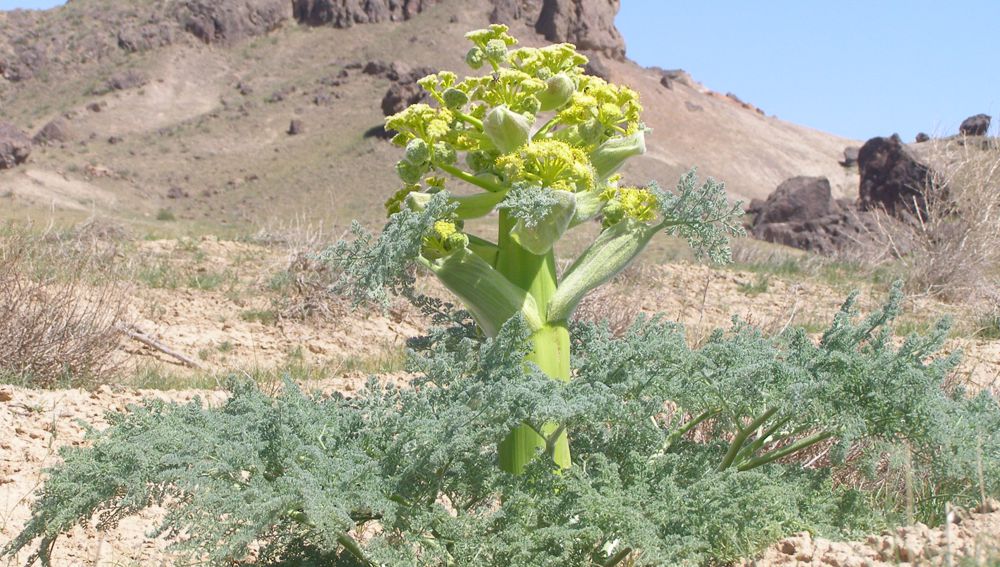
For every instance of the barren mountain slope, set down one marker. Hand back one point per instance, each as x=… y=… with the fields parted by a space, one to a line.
x=174 y=113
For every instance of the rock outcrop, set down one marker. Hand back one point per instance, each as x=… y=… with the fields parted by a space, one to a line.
x=125 y=80
x=15 y=146
x=589 y=24
x=346 y=13
x=57 y=131
x=214 y=21
x=976 y=125
x=850 y=156
x=138 y=38
x=802 y=213
x=892 y=179
x=400 y=95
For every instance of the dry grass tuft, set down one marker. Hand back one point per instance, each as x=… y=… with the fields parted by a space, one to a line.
x=614 y=304
x=954 y=253
x=58 y=323
x=303 y=282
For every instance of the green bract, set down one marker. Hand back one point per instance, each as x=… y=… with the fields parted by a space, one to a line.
x=542 y=142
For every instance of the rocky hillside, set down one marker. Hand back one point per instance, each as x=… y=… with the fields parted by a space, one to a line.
x=209 y=113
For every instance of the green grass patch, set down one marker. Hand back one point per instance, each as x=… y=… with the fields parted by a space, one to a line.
x=262 y=316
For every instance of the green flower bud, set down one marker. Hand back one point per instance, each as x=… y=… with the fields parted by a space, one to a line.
x=417 y=152
x=611 y=155
x=475 y=58
x=531 y=105
x=479 y=160
x=409 y=172
x=558 y=90
x=508 y=130
x=454 y=98
x=444 y=153
x=613 y=213
x=496 y=49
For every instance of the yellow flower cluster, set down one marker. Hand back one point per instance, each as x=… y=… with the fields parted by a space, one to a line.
x=548 y=163
x=444 y=238
x=420 y=121
x=638 y=203
x=616 y=108
x=547 y=61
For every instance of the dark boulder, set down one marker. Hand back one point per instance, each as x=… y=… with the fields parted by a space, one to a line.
x=227 y=21
x=596 y=66
x=891 y=178
x=401 y=95
x=507 y=12
x=797 y=199
x=922 y=137
x=136 y=39
x=588 y=24
x=125 y=80
x=346 y=13
x=394 y=71
x=850 y=156
x=802 y=213
x=976 y=125
x=15 y=146
x=56 y=131
x=296 y=127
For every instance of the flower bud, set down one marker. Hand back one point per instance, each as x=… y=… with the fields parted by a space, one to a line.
x=508 y=130
x=454 y=98
x=496 y=49
x=613 y=213
x=611 y=155
x=558 y=90
x=475 y=58
x=479 y=160
x=417 y=152
x=444 y=153
x=531 y=105
x=409 y=172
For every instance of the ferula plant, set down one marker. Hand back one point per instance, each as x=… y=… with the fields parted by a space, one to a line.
x=524 y=439
x=540 y=142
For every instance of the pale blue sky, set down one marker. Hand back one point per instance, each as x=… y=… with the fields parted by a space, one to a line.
x=857 y=68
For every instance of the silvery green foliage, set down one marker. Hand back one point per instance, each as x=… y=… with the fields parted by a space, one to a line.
x=701 y=215
x=530 y=205
x=299 y=475
x=372 y=269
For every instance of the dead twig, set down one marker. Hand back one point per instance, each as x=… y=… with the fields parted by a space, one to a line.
x=153 y=343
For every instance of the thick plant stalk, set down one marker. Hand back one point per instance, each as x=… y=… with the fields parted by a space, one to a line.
x=536 y=274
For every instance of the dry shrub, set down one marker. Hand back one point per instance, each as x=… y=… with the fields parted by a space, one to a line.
x=302 y=283
x=954 y=251
x=614 y=304
x=59 y=318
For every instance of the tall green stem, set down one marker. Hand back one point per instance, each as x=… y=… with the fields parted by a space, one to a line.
x=535 y=274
